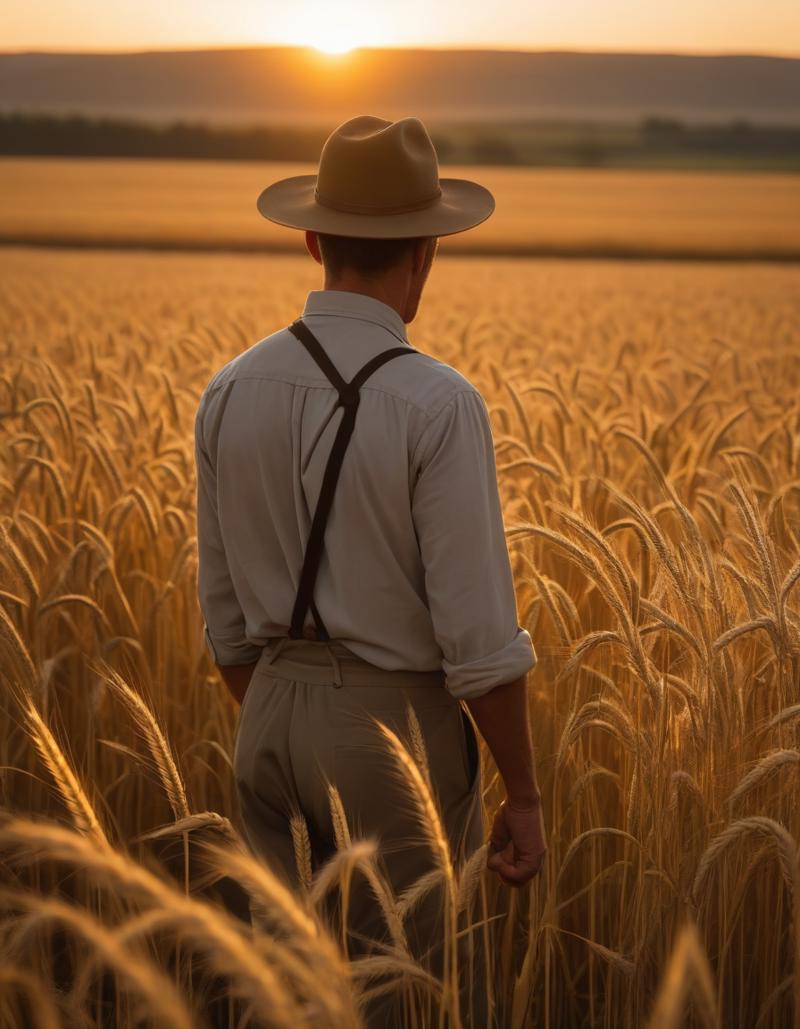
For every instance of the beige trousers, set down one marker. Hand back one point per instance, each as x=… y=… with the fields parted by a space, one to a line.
x=307 y=720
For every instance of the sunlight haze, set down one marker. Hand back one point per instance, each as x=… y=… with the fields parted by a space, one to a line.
x=714 y=26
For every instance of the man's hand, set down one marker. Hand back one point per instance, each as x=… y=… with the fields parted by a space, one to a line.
x=517 y=844
x=237 y=678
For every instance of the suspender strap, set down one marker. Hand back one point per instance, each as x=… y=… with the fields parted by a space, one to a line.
x=349 y=400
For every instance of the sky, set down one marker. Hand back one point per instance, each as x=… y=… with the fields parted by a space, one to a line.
x=679 y=26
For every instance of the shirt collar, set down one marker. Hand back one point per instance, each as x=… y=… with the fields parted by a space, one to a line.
x=344 y=304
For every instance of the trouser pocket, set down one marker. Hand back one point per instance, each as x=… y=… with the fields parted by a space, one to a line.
x=470 y=749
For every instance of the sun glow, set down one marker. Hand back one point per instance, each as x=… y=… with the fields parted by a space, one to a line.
x=333 y=42
x=333 y=30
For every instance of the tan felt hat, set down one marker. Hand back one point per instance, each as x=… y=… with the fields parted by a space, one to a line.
x=377 y=179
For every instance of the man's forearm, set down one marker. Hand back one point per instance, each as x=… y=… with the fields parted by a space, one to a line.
x=502 y=718
x=237 y=678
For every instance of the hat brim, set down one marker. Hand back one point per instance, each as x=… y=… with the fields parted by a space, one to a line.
x=462 y=205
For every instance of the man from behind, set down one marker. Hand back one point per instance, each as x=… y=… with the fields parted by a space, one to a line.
x=350 y=566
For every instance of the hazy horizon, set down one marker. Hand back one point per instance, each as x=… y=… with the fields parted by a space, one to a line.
x=207 y=47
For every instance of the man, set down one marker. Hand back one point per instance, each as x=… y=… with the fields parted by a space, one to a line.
x=336 y=589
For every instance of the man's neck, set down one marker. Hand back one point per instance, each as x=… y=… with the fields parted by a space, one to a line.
x=387 y=290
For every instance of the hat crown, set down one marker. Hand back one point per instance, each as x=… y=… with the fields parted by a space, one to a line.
x=373 y=166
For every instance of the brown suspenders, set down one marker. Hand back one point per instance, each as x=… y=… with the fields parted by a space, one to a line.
x=349 y=400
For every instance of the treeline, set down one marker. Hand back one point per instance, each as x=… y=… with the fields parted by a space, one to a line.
x=655 y=141
x=24 y=134
x=736 y=137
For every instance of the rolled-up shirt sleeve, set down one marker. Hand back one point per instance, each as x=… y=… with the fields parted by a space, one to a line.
x=468 y=579
x=224 y=621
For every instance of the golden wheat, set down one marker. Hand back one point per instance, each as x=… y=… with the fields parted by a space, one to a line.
x=646 y=426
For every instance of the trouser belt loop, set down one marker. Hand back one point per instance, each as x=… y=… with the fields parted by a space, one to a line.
x=337 y=668
x=276 y=649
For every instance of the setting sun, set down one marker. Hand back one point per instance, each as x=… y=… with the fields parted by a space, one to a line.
x=332 y=42
x=334 y=31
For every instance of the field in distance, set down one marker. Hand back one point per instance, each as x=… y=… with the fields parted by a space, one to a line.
x=560 y=212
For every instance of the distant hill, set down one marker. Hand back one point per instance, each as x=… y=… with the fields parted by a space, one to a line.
x=271 y=84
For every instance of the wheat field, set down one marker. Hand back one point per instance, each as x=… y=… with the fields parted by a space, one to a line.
x=647 y=430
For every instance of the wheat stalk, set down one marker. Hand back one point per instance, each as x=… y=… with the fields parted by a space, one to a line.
x=688 y=970
x=157 y=742
x=72 y=792
x=143 y=975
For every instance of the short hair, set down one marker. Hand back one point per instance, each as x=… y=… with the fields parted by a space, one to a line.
x=366 y=256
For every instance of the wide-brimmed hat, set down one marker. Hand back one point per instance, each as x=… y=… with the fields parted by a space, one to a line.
x=377 y=179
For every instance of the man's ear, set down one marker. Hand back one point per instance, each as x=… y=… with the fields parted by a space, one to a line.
x=312 y=245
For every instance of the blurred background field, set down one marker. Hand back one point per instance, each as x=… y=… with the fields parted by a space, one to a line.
x=540 y=211
x=604 y=154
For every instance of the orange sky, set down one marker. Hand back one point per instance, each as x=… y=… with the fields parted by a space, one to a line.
x=691 y=26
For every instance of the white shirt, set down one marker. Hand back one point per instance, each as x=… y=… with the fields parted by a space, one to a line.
x=415 y=572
